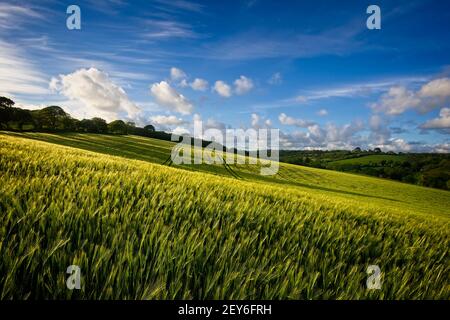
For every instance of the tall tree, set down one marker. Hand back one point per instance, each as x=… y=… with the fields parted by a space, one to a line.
x=117 y=127
x=5 y=112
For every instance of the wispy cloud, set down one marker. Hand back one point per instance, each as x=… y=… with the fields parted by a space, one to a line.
x=357 y=89
x=258 y=44
x=177 y=6
x=110 y=7
x=14 y=16
x=17 y=74
x=166 y=29
x=352 y=90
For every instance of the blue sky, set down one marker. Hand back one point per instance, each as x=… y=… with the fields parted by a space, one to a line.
x=310 y=68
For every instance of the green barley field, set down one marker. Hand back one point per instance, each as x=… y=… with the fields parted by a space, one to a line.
x=140 y=228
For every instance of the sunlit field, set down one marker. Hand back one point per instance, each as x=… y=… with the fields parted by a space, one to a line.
x=142 y=230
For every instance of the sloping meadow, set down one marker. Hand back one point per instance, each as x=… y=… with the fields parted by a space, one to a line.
x=144 y=231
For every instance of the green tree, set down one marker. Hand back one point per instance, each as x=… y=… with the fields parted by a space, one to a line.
x=6 y=105
x=100 y=125
x=53 y=118
x=117 y=127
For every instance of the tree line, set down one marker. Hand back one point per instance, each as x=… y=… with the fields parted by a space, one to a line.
x=55 y=119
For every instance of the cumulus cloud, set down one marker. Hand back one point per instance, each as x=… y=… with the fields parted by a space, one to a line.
x=393 y=144
x=243 y=85
x=442 y=148
x=94 y=90
x=399 y=99
x=442 y=123
x=177 y=74
x=396 y=101
x=329 y=137
x=436 y=88
x=199 y=84
x=290 y=121
x=168 y=97
x=379 y=132
x=322 y=112
x=255 y=119
x=162 y=120
x=259 y=122
x=374 y=133
x=222 y=88
x=181 y=131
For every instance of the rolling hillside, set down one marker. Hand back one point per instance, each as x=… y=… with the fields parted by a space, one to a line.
x=370 y=159
x=139 y=229
x=362 y=189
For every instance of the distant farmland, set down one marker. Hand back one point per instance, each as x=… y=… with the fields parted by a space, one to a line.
x=376 y=159
x=139 y=229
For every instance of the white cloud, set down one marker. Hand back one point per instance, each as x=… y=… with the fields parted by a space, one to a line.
x=290 y=121
x=94 y=90
x=442 y=123
x=167 y=29
x=397 y=145
x=276 y=79
x=379 y=131
x=330 y=137
x=181 y=131
x=167 y=96
x=243 y=85
x=399 y=99
x=199 y=84
x=166 y=120
x=436 y=88
x=396 y=101
x=14 y=16
x=222 y=88
x=322 y=112
x=258 y=122
x=18 y=75
x=183 y=83
x=177 y=74
x=255 y=120
x=442 y=148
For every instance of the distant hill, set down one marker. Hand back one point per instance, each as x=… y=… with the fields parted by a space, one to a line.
x=425 y=169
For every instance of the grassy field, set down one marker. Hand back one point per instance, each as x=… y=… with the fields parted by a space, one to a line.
x=142 y=230
x=370 y=159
